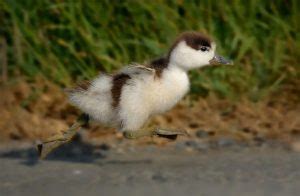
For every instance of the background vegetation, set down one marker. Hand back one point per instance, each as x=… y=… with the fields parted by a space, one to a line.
x=66 y=41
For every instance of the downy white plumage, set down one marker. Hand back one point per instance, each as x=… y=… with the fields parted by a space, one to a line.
x=128 y=98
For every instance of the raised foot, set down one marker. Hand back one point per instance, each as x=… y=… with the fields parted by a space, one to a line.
x=55 y=141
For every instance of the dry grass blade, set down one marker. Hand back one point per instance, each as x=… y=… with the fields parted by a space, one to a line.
x=3 y=59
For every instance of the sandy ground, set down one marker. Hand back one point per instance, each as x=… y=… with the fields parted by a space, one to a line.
x=81 y=169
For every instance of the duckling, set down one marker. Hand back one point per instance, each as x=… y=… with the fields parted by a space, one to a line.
x=128 y=98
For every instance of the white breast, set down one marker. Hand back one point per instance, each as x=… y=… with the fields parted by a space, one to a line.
x=168 y=90
x=148 y=95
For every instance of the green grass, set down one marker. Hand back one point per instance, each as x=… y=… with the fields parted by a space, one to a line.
x=67 y=41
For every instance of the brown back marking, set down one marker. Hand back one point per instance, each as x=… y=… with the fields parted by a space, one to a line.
x=159 y=65
x=119 y=80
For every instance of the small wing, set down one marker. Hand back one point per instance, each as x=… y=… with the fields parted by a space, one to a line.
x=144 y=68
x=138 y=70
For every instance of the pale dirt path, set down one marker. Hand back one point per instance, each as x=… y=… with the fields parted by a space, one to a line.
x=152 y=171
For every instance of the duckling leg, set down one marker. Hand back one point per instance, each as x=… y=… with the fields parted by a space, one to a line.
x=139 y=133
x=55 y=141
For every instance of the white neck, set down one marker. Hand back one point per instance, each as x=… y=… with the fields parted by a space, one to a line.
x=177 y=76
x=166 y=91
x=174 y=67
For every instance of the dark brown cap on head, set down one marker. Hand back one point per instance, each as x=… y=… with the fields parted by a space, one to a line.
x=193 y=39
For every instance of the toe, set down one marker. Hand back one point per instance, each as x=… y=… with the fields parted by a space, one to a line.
x=129 y=135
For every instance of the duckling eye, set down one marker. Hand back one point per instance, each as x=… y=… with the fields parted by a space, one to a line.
x=204 y=48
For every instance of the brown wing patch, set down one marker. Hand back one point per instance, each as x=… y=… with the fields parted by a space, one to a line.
x=119 y=81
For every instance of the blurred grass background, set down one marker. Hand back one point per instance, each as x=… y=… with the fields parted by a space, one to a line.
x=67 y=41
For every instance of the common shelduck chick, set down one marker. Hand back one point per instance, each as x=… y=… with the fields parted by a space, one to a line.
x=129 y=97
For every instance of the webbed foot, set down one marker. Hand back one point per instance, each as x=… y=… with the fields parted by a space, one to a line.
x=55 y=141
x=169 y=134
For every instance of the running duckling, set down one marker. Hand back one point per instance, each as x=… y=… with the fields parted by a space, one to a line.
x=128 y=98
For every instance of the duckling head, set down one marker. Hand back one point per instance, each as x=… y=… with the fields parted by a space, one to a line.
x=193 y=50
